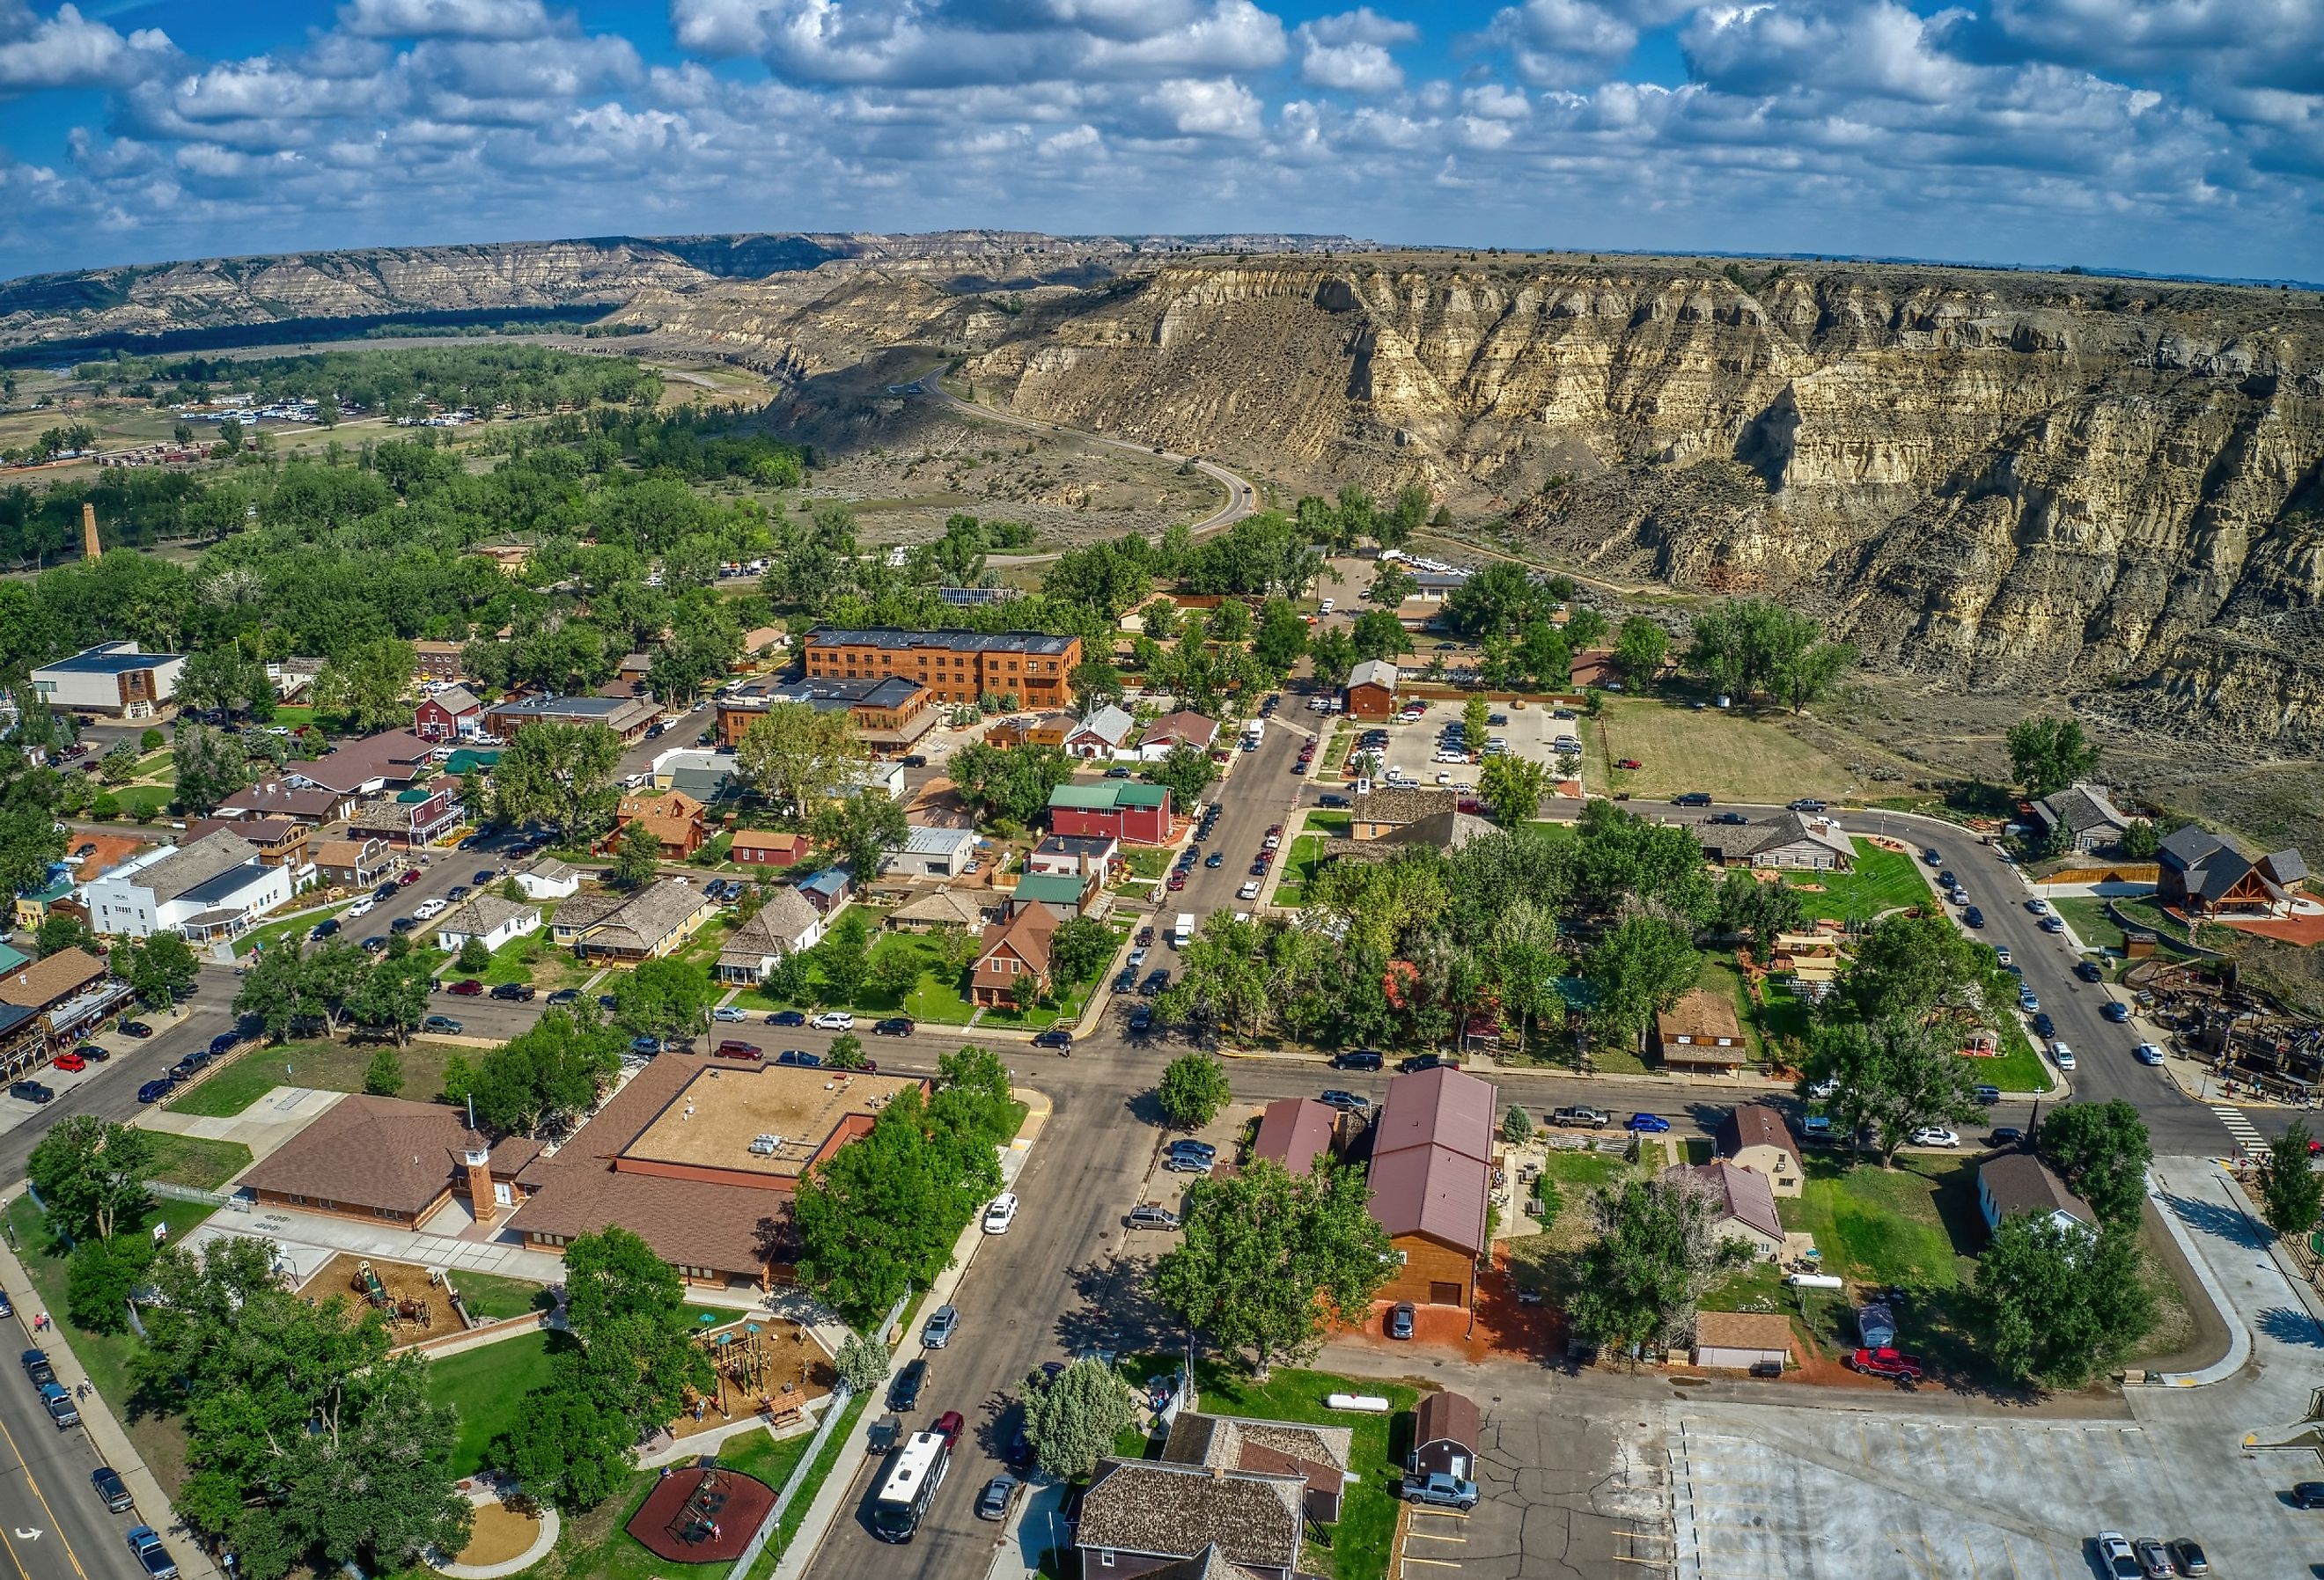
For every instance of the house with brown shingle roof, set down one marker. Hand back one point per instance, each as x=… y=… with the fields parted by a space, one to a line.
x=1701 y=1031
x=2009 y=1184
x=1015 y=955
x=352 y=864
x=1142 y=1515
x=1431 y=1177
x=673 y=818
x=1445 y=1431
x=1744 y=1201
x=1318 y=1456
x=1739 y=1340
x=384 y=1160
x=627 y=928
x=1754 y=1135
x=785 y=925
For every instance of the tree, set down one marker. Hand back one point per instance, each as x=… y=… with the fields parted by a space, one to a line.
x=975 y=1097
x=2141 y=839
x=1009 y=784
x=1391 y=583
x=794 y=755
x=1513 y=786
x=1759 y=912
x=1907 y=966
x=2060 y=1303
x=1330 y=655
x=211 y=765
x=2101 y=1151
x=1476 y=724
x=862 y=830
x=161 y=970
x=1078 y=948
x=664 y=999
x=367 y=685
x=384 y=1077
x=1516 y=1126
x=845 y=1052
x=1894 y=1075
x=893 y=973
x=100 y=1278
x=393 y=995
x=562 y=1065
x=561 y=775
x=880 y=1214
x=1639 y=969
x=2046 y=754
x=1641 y=647
x=473 y=956
x=844 y=958
x=91 y=1175
x=60 y=931
x=568 y=1448
x=1658 y=1249
x=1750 y=648
x=1185 y=771
x=2291 y=1190
x=1585 y=628
x=1073 y=1417
x=1269 y=1262
x=1193 y=1090
x=1378 y=633
x=637 y=858
x=861 y=1363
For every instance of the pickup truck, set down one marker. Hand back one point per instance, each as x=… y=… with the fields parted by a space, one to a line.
x=1447 y=1491
x=1580 y=1117
x=60 y=1405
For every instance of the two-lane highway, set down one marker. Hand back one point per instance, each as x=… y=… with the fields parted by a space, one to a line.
x=52 y=1524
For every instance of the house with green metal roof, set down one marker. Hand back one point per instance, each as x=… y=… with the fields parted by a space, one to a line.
x=1065 y=894
x=1113 y=808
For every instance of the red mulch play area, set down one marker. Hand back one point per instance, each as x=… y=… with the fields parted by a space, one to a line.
x=702 y=1516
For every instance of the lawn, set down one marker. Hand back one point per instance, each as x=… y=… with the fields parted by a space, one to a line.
x=492 y=1297
x=1719 y=973
x=1882 y=880
x=137 y=798
x=1733 y=756
x=1368 y=1515
x=294 y=927
x=1306 y=856
x=329 y=1067
x=196 y=1161
x=532 y=958
x=2018 y=1069
x=488 y=1385
x=935 y=997
x=1914 y=1228
x=2091 y=924
x=1148 y=861
x=160 y=1440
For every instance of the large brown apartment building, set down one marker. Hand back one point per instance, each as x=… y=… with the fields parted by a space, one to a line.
x=956 y=666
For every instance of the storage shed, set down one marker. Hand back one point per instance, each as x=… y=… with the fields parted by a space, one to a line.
x=1740 y=1340
x=1444 y=1433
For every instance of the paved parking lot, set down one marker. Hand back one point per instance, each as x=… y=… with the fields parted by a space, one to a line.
x=1530 y=732
x=1763 y=1494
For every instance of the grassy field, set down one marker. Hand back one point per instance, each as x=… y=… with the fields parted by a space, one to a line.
x=532 y=958
x=1368 y=1514
x=295 y=930
x=196 y=1161
x=1735 y=757
x=2091 y=924
x=329 y=1067
x=936 y=996
x=1305 y=856
x=492 y=1297
x=1882 y=880
x=1721 y=975
x=487 y=1385
x=1914 y=1227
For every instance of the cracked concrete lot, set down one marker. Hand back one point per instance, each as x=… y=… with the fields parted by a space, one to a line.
x=1561 y=1496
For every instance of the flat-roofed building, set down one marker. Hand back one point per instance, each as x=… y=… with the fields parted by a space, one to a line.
x=955 y=666
x=627 y=716
x=889 y=712
x=113 y=678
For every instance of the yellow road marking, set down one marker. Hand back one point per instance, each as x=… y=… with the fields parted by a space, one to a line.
x=1439 y=1513
x=1432 y=1535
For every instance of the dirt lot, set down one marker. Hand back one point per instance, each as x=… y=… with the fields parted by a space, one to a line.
x=404 y=1282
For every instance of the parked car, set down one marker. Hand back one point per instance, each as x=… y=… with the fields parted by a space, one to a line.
x=645 y=1046
x=833 y=1020
x=1732 y=820
x=1156 y=980
x=2115 y=1556
x=745 y=1052
x=1055 y=1037
x=519 y=992
x=223 y=1044
x=1124 y=981
x=1935 y=1135
x=564 y=996
x=1361 y=1058
x=1146 y=1215
x=30 y=1092
x=2062 y=1056
x=1346 y=1102
x=444 y=1024
x=2308 y=1495
x=1930 y=856
x=1987 y=1095
x=58 y=1403
x=2188 y=1555
x=2044 y=1026
x=1646 y=1124
x=787 y=1018
x=2154 y=1558
x=1249 y=890
x=2005 y=1135
x=801 y=1057
x=70 y=1063
x=949 y=1426
x=893 y=1026
x=729 y=1014
x=1000 y=1214
x=137 y=1029
x=155 y=1090
x=112 y=1489
x=467 y=987
x=904 y=1393
x=152 y=1558
x=1185 y=1163
x=1141 y=1020
x=1437 y=1488
x=324 y=928
x=1973 y=917
x=1692 y=798
x=1892 y=1364
x=1581 y=1116
x=1628 y=762
x=937 y=1330
x=427 y=910
x=2087 y=970
x=992 y=1500
x=456 y=892
x=1427 y=1061
x=1401 y=1320
x=2147 y=1053
x=36 y=1367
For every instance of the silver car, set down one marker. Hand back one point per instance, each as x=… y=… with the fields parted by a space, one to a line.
x=937 y=1331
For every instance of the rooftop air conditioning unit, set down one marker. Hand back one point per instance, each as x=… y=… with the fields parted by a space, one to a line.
x=765 y=1146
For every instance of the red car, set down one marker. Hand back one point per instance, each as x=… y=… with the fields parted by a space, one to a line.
x=466 y=988
x=951 y=1426
x=748 y=1052
x=408 y=879
x=1894 y=1364
x=1629 y=763
x=71 y=1061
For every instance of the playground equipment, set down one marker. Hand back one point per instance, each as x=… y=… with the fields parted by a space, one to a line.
x=413 y=1310
x=697 y=1519
x=366 y=1284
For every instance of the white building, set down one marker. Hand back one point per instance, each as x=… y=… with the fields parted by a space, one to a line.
x=550 y=879
x=932 y=853
x=113 y=677
x=214 y=888
x=490 y=917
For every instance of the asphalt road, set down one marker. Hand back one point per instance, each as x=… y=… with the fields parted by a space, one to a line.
x=51 y=1523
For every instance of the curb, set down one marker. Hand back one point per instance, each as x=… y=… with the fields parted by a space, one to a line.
x=2239 y=1341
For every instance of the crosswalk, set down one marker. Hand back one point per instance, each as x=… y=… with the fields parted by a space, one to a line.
x=2246 y=1134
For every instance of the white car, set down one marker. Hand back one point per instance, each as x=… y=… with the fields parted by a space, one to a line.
x=361 y=908
x=1249 y=890
x=1826 y=1088
x=2116 y=1558
x=1000 y=1214
x=430 y=909
x=1272 y=842
x=2062 y=1056
x=1325 y=607
x=2147 y=1053
x=833 y=1020
x=1934 y=1135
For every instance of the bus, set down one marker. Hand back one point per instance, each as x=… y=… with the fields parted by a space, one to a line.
x=914 y=1474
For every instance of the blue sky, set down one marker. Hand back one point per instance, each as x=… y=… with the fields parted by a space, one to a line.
x=2176 y=136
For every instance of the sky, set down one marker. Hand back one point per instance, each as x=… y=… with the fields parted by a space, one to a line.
x=2175 y=136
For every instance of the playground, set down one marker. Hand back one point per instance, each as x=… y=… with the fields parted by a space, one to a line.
x=766 y=1367
x=417 y=1300
x=703 y=1515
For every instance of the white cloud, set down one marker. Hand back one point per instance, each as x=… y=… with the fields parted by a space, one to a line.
x=71 y=51
x=1351 y=67
x=1362 y=25
x=455 y=19
x=1495 y=102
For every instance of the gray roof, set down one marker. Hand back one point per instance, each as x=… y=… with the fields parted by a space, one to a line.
x=771 y=929
x=108 y=658
x=191 y=866
x=2019 y=1182
x=1374 y=672
x=1198 y=1438
x=1744 y=1194
x=1790 y=828
x=2190 y=847
x=1109 y=724
x=2285 y=866
x=550 y=870
x=581 y=911
x=455 y=699
x=483 y=913
x=1387 y=804
x=1444 y=830
x=830 y=693
x=653 y=912
x=889 y=636
x=1174 y=1511
x=921 y=840
x=2082 y=808
x=943 y=908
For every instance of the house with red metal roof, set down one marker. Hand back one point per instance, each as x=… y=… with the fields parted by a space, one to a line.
x=1432 y=1169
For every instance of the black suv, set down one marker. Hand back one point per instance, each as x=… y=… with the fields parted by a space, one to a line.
x=1362 y=1058
x=519 y=991
x=903 y=1393
x=112 y=1489
x=893 y=1026
x=1692 y=798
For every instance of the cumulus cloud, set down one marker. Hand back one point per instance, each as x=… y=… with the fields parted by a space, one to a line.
x=71 y=51
x=1349 y=52
x=1559 y=43
x=455 y=19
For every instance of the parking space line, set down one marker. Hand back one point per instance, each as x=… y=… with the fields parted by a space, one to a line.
x=1438 y=1514
x=1433 y=1563
x=1432 y=1535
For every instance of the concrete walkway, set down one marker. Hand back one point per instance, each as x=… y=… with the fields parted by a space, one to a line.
x=2273 y=1318
x=263 y=1127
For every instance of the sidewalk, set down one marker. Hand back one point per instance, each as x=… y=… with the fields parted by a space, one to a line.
x=112 y=1443
x=832 y=1495
x=263 y=1127
x=2272 y=1317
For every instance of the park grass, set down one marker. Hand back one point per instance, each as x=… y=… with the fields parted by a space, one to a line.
x=329 y=1067
x=196 y=1163
x=2086 y=915
x=1304 y=858
x=1362 y=1539
x=1730 y=753
x=487 y=1385
x=1882 y=881
x=532 y=958
x=1148 y=863
x=135 y=798
x=935 y=997
x=492 y=1298
x=294 y=927
x=160 y=1440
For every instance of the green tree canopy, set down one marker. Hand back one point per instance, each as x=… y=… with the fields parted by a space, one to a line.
x=2291 y=1190
x=2046 y=754
x=1072 y=1418
x=1193 y=1090
x=1657 y=1248
x=2101 y=1151
x=91 y=1174
x=2060 y=1303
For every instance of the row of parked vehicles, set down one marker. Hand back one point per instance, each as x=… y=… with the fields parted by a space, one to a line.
x=145 y=1543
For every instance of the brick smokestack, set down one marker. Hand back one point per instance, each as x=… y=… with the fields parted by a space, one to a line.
x=90 y=546
x=479 y=1165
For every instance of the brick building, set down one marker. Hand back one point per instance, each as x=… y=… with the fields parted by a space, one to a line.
x=955 y=666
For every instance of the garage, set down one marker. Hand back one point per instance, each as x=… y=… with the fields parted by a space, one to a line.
x=1741 y=1341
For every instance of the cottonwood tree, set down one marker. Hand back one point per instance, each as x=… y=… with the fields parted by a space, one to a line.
x=637 y=858
x=2291 y=1192
x=1185 y=771
x=2061 y=1302
x=1658 y=1249
x=664 y=999
x=1193 y=1090
x=1073 y=1417
x=160 y=969
x=561 y=775
x=1513 y=786
x=1895 y=1076
x=367 y=685
x=2046 y=754
x=91 y=1175
x=1078 y=948
x=210 y=765
x=1007 y=784
x=862 y=830
x=1639 y=969
x=794 y=755
x=1270 y=1261
x=2101 y=1150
